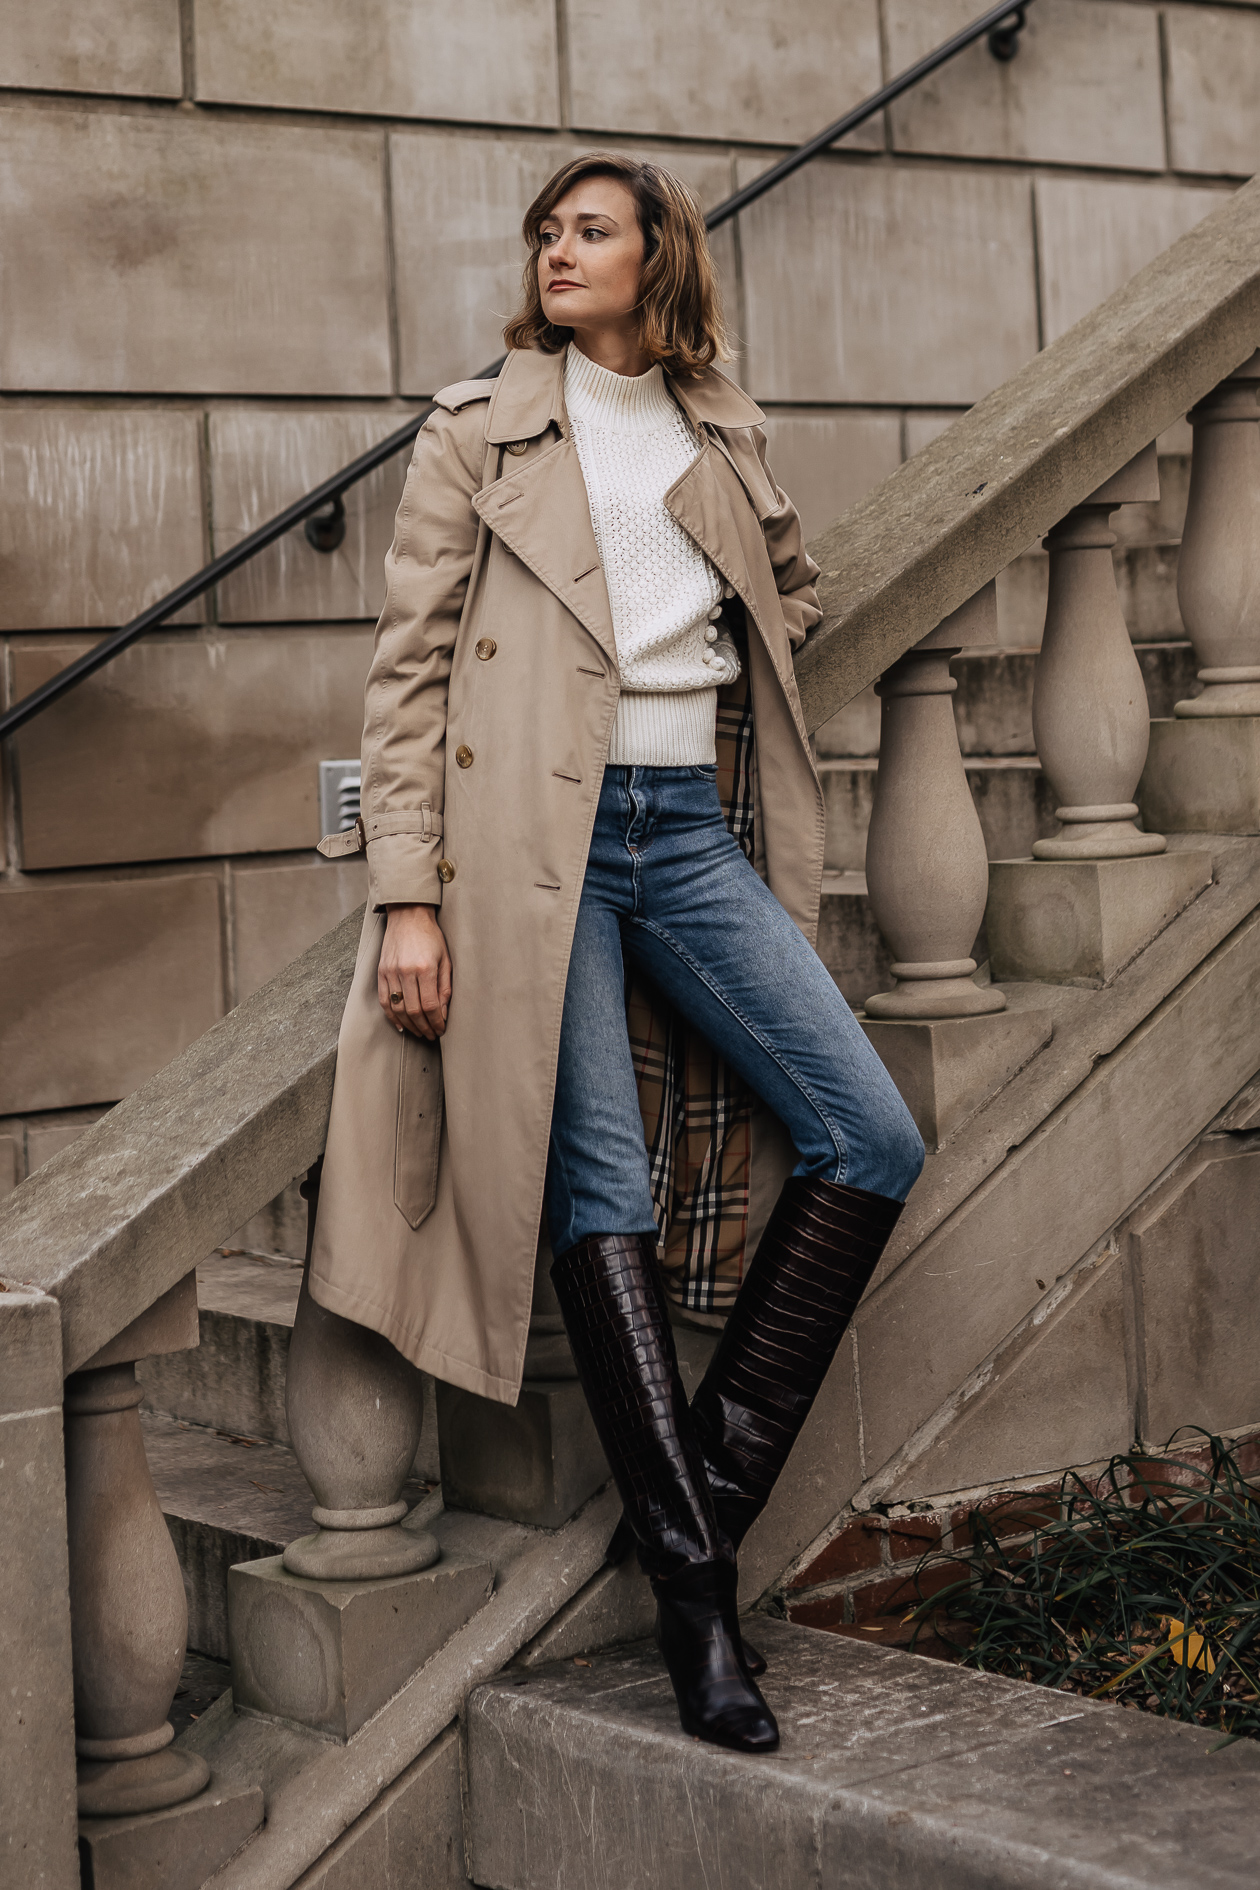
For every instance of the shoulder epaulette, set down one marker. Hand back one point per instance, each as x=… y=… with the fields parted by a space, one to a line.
x=463 y=394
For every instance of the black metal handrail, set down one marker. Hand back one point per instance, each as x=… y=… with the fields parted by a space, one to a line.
x=1002 y=24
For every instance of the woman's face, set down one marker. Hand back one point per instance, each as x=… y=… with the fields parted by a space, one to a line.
x=591 y=256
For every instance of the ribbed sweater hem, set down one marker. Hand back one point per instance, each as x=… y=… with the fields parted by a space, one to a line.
x=665 y=729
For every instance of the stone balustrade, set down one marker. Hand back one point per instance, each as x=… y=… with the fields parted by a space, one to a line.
x=106 y=1237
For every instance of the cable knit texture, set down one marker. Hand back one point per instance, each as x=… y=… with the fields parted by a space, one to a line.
x=634 y=442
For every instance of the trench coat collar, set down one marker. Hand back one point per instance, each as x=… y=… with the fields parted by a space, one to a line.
x=540 y=510
x=529 y=397
x=522 y=506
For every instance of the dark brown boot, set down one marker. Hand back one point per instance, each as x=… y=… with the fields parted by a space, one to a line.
x=821 y=1245
x=614 y=1313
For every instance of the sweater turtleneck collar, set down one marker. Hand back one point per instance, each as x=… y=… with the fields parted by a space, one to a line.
x=620 y=403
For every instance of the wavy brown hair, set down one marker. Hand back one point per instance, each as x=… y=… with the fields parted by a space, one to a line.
x=680 y=307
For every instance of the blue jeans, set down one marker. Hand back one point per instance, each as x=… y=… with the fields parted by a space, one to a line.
x=669 y=891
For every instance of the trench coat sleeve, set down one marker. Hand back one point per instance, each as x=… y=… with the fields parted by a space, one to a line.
x=404 y=727
x=794 y=569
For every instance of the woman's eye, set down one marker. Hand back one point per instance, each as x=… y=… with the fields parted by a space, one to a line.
x=594 y=232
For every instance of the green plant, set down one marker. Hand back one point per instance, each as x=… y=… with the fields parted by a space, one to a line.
x=1147 y=1591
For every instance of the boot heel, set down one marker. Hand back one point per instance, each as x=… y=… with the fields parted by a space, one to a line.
x=698 y=1634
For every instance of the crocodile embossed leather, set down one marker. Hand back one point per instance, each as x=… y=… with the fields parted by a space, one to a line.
x=821 y=1245
x=614 y=1313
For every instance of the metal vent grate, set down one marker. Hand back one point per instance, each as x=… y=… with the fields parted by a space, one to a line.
x=339 y=783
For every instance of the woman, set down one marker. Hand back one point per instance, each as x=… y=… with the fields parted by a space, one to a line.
x=588 y=550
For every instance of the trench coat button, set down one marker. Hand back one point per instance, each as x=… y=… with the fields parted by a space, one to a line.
x=446 y=872
x=486 y=647
x=516 y=446
x=464 y=755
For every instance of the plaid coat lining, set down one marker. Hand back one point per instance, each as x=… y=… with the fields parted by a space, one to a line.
x=697 y=1113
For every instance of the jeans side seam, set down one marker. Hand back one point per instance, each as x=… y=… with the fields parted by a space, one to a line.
x=836 y=1134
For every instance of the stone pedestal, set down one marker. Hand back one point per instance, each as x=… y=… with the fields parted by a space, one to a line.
x=536 y=1462
x=1203 y=776
x=1079 y=921
x=945 y=1068
x=175 y=1849
x=328 y=1654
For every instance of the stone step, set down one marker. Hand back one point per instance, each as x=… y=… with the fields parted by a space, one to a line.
x=993 y=701
x=893 y=1771
x=226 y=1498
x=234 y=1380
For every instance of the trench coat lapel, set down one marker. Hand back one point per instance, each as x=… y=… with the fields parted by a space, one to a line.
x=710 y=504
x=703 y=509
x=710 y=501
x=541 y=512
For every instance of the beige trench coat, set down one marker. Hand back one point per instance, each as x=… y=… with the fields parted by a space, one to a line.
x=496 y=645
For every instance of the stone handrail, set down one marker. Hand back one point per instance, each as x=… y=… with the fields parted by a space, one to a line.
x=934 y=533
x=113 y=1222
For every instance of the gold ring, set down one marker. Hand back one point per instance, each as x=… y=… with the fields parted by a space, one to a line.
x=395 y=997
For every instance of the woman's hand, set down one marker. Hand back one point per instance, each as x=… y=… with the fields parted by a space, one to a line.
x=415 y=961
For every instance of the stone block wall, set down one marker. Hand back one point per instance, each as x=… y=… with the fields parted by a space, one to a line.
x=239 y=242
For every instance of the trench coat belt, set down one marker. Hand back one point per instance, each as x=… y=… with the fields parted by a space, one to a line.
x=418 y=820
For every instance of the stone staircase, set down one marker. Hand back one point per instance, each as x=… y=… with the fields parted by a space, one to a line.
x=1094 y=1150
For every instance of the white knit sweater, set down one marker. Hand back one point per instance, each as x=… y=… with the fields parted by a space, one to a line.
x=633 y=443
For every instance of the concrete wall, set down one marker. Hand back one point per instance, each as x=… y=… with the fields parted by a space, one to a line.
x=239 y=241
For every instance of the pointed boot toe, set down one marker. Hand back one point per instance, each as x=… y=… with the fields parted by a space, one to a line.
x=739 y=1729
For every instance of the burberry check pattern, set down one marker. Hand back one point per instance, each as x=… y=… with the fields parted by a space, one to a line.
x=697 y=1114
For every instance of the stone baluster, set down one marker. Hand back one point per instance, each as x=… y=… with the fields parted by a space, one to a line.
x=1099 y=890
x=927 y=873
x=1091 y=723
x=128 y=1614
x=1218 y=573
x=128 y=1628
x=354 y=1407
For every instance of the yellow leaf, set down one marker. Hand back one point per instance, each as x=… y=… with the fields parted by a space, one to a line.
x=1188 y=1648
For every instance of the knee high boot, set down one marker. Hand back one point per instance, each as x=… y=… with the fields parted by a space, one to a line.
x=820 y=1247
x=614 y=1314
